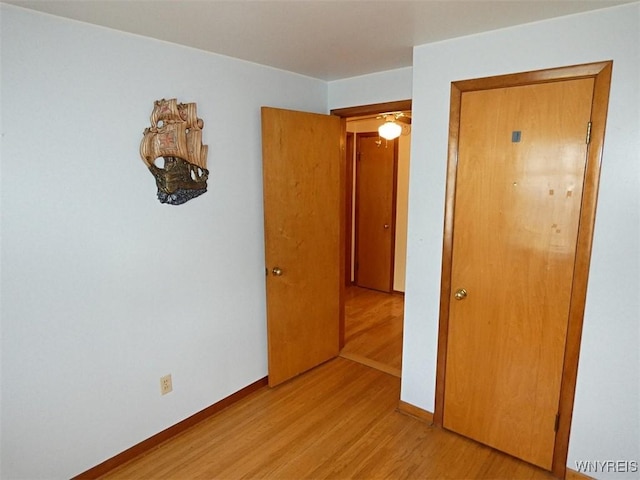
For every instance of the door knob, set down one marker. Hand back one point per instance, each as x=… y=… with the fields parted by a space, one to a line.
x=460 y=294
x=277 y=271
x=386 y=226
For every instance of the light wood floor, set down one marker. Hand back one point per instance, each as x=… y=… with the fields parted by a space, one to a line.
x=338 y=421
x=373 y=329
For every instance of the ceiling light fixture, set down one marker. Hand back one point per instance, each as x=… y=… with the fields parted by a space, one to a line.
x=390 y=129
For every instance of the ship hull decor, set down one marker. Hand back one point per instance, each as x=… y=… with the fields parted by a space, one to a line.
x=175 y=136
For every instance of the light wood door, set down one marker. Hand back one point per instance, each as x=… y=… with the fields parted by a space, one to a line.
x=521 y=164
x=303 y=177
x=375 y=211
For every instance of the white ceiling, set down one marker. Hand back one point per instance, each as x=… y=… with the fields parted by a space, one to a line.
x=326 y=39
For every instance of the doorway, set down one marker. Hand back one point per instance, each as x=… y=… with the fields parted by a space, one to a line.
x=520 y=208
x=374 y=314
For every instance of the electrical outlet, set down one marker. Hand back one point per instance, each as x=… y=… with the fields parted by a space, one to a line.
x=166 y=385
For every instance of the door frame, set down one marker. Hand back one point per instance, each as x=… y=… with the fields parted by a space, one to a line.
x=601 y=73
x=349 y=207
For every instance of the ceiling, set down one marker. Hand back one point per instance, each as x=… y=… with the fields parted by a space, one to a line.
x=327 y=39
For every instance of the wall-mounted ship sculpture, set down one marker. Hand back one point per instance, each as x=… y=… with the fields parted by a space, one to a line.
x=175 y=136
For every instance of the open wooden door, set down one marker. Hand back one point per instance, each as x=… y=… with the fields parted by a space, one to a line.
x=304 y=195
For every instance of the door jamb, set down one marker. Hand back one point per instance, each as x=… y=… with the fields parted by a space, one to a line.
x=601 y=73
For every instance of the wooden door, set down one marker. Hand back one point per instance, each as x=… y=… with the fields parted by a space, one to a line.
x=376 y=167
x=303 y=177
x=522 y=154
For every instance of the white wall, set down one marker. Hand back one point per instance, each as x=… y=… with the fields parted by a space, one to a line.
x=104 y=290
x=606 y=425
x=387 y=86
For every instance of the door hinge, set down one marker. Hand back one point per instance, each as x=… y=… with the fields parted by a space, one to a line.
x=557 y=424
x=588 y=133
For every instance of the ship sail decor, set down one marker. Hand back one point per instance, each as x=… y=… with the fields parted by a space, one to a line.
x=176 y=136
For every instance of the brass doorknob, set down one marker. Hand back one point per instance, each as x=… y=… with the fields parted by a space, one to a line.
x=386 y=226
x=460 y=294
x=277 y=271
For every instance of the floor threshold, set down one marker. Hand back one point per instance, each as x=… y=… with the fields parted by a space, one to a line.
x=354 y=357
